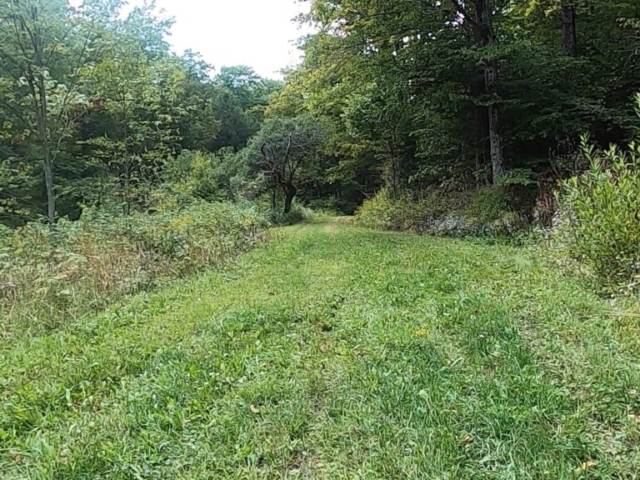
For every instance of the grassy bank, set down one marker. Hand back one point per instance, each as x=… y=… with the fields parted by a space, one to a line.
x=50 y=279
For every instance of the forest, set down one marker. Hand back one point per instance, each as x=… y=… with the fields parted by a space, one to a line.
x=207 y=273
x=409 y=97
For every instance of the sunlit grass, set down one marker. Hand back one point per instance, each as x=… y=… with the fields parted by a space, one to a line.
x=335 y=352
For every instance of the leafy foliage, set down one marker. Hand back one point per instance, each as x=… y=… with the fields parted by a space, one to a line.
x=94 y=107
x=602 y=207
x=402 y=89
x=484 y=212
x=282 y=154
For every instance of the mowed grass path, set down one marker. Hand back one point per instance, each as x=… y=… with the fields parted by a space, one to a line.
x=335 y=353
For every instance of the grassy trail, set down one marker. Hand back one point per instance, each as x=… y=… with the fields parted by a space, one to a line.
x=335 y=353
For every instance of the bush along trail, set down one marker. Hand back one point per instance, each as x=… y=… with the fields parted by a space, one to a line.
x=335 y=352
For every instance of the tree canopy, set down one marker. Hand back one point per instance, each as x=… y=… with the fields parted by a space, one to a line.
x=94 y=106
x=463 y=93
x=405 y=95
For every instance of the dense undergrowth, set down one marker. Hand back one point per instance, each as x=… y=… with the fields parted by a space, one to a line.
x=49 y=278
x=484 y=212
x=600 y=224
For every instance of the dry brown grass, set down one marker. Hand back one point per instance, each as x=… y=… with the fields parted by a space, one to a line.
x=47 y=280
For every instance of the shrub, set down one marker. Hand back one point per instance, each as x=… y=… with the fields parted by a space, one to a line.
x=48 y=278
x=488 y=204
x=482 y=212
x=298 y=214
x=379 y=212
x=333 y=206
x=205 y=176
x=601 y=211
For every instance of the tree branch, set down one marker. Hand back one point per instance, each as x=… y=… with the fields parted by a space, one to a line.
x=460 y=9
x=286 y=158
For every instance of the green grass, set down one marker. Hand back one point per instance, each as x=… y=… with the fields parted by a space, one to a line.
x=335 y=352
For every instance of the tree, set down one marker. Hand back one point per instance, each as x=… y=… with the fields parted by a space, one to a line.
x=282 y=148
x=429 y=93
x=140 y=99
x=240 y=99
x=40 y=76
x=93 y=106
x=200 y=125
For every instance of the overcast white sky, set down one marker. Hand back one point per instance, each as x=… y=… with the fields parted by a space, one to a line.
x=258 y=33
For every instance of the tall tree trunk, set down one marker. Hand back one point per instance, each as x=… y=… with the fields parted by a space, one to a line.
x=392 y=169
x=569 y=30
x=127 y=187
x=481 y=129
x=497 y=159
x=486 y=37
x=48 y=170
x=39 y=92
x=43 y=136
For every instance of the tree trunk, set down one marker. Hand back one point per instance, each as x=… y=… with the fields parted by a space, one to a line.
x=41 y=121
x=41 y=108
x=49 y=182
x=290 y=193
x=497 y=160
x=569 y=30
x=127 y=187
x=274 y=194
x=486 y=37
x=288 y=204
x=481 y=120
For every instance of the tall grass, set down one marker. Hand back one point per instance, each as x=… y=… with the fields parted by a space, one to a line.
x=48 y=279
